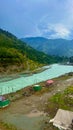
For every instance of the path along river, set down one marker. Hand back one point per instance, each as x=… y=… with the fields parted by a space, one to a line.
x=16 y=84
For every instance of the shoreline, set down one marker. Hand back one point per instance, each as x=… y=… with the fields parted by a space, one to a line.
x=28 y=91
x=23 y=81
x=8 y=77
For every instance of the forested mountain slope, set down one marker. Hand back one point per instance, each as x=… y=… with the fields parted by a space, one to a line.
x=14 y=52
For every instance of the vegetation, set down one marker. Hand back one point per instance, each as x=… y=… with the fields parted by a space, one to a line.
x=61 y=100
x=71 y=60
x=5 y=126
x=14 y=52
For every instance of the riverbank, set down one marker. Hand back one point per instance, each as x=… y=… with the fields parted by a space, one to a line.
x=8 y=77
x=35 y=108
x=24 y=81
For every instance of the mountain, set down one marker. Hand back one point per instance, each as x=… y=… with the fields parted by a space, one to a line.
x=16 y=55
x=58 y=47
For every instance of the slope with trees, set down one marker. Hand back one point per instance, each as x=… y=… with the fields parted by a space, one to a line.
x=17 y=55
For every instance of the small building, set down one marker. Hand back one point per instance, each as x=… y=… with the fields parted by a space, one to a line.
x=4 y=102
x=49 y=82
x=37 y=87
x=63 y=120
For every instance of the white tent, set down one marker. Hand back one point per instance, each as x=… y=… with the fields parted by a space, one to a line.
x=63 y=120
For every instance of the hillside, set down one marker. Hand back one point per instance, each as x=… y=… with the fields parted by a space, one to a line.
x=58 y=47
x=16 y=55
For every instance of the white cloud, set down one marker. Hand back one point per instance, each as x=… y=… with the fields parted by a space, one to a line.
x=60 y=31
x=53 y=17
x=56 y=30
x=58 y=23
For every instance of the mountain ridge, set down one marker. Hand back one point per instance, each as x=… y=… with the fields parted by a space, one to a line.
x=58 y=47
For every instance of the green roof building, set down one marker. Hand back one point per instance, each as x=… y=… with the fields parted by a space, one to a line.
x=37 y=87
x=4 y=102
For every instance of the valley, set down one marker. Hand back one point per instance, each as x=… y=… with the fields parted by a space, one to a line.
x=21 y=67
x=36 y=64
x=17 y=56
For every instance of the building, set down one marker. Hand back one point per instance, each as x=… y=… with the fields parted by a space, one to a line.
x=63 y=120
x=37 y=87
x=49 y=82
x=4 y=102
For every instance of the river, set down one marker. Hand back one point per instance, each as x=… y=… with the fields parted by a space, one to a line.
x=18 y=83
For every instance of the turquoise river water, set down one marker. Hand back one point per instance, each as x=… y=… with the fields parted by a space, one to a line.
x=18 y=83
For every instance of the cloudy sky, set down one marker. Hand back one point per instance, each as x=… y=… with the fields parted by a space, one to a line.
x=47 y=18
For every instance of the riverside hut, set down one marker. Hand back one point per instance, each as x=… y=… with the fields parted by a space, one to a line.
x=4 y=102
x=63 y=120
x=49 y=82
x=37 y=87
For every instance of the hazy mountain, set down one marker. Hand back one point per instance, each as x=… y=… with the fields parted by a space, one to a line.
x=59 y=47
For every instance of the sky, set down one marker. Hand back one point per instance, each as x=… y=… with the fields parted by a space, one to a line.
x=30 y=18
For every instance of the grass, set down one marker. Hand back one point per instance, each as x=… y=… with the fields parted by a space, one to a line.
x=5 y=126
x=60 y=100
x=69 y=90
x=42 y=91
